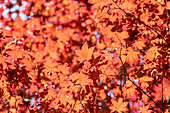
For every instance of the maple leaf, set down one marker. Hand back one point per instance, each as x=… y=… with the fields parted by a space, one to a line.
x=103 y=14
x=140 y=45
x=132 y=57
x=129 y=92
x=117 y=91
x=128 y=84
x=84 y=81
x=78 y=106
x=144 y=109
x=64 y=99
x=64 y=69
x=85 y=53
x=151 y=53
x=119 y=106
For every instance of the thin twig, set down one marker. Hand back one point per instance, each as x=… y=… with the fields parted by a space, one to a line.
x=127 y=100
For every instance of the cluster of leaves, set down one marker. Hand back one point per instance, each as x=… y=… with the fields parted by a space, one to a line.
x=85 y=56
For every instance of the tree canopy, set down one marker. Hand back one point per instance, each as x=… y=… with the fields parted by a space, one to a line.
x=85 y=56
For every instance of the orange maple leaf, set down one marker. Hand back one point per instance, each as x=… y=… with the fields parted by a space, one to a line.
x=129 y=92
x=151 y=53
x=144 y=109
x=140 y=45
x=132 y=57
x=78 y=106
x=85 y=53
x=83 y=80
x=119 y=106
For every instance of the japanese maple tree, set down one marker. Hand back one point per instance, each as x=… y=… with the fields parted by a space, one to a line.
x=94 y=56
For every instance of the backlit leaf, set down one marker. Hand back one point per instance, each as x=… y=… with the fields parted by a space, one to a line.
x=85 y=53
